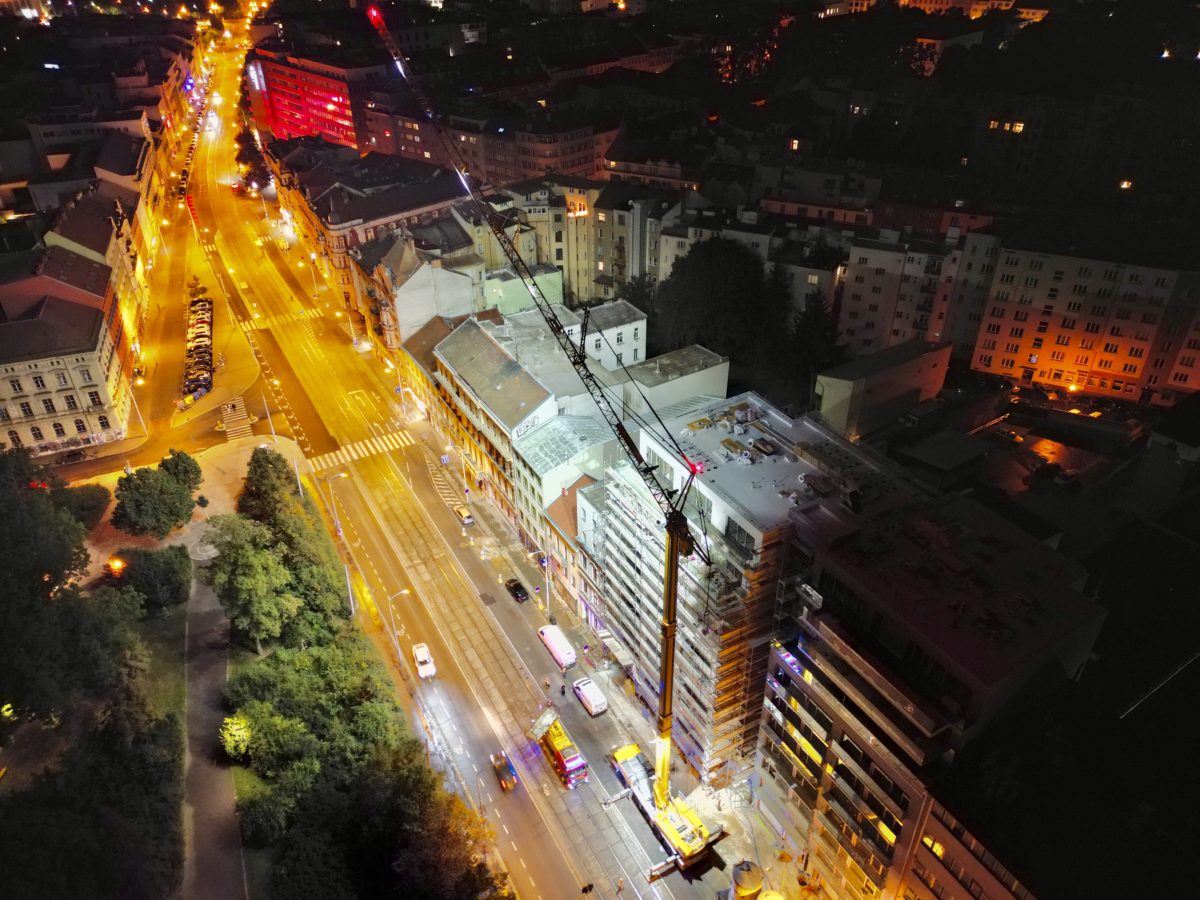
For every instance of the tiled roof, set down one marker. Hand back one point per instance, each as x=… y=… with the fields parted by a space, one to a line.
x=564 y=512
x=339 y=206
x=613 y=315
x=71 y=268
x=53 y=327
x=120 y=153
x=499 y=381
x=86 y=222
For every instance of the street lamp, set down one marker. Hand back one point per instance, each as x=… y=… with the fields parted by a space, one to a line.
x=313 y=260
x=337 y=526
x=403 y=592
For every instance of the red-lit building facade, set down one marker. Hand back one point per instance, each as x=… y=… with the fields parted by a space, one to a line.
x=292 y=96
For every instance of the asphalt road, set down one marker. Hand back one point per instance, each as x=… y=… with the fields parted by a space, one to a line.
x=393 y=508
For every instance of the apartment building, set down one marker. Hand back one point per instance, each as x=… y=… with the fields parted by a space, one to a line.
x=335 y=205
x=628 y=223
x=897 y=290
x=550 y=462
x=102 y=225
x=303 y=93
x=1115 y=316
x=64 y=357
x=501 y=149
x=738 y=508
x=560 y=209
x=486 y=400
x=812 y=269
x=918 y=620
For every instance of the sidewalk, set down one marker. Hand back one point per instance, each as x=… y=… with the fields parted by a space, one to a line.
x=751 y=829
x=231 y=340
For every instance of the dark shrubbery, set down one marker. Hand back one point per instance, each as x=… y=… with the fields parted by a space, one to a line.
x=105 y=820
x=86 y=503
x=163 y=577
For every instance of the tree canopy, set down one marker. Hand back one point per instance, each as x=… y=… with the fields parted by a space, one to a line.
x=111 y=802
x=720 y=295
x=349 y=804
x=250 y=579
x=41 y=552
x=152 y=501
x=183 y=468
x=163 y=576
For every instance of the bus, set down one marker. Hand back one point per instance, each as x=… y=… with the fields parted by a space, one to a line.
x=558 y=645
x=568 y=762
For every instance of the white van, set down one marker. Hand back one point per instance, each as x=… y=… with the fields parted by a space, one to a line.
x=590 y=696
x=558 y=645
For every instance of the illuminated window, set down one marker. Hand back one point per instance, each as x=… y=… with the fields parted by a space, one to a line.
x=795 y=143
x=1018 y=127
x=1126 y=185
x=993 y=124
x=935 y=846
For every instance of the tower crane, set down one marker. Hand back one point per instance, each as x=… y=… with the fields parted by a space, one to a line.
x=686 y=836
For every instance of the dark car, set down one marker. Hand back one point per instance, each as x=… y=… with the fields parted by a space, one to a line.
x=517 y=590
x=505 y=773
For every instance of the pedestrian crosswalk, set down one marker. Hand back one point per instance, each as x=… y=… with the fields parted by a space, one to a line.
x=360 y=449
x=237 y=421
x=263 y=323
x=441 y=484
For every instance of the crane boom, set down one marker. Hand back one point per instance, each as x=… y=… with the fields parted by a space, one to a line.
x=679 y=542
x=496 y=223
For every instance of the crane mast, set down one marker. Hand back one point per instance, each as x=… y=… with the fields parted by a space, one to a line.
x=679 y=540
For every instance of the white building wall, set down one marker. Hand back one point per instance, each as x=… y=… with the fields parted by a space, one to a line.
x=432 y=291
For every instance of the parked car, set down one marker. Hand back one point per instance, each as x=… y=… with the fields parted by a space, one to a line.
x=464 y=515
x=1008 y=436
x=424 y=661
x=1067 y=478
x=505 y=773
x=590 y=696
x=517 y=590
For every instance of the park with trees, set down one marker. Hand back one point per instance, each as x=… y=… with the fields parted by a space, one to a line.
x=85 y=681
x=334 y=791
x=336 y=796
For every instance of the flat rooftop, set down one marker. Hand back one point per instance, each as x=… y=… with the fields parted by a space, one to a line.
x=764 y=465
x=676 y=364
x=883 y=360
x=991 y=599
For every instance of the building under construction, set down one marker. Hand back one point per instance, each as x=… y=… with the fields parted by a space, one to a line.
x=753 y=474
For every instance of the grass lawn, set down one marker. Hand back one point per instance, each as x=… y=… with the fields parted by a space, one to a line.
x=165 y=638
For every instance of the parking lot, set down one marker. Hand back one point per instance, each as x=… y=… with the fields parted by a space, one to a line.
x=198 y=368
